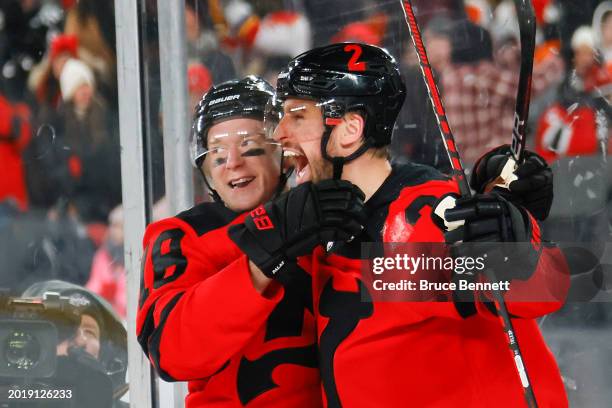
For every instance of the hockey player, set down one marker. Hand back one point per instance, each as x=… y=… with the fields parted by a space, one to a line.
x=204 y=316
x=339 y=105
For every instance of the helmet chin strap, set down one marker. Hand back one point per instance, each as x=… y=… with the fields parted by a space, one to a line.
x=282 y=178
x=338 y=162
x=211 y=191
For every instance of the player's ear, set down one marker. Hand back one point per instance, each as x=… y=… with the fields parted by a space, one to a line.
x=353 y=129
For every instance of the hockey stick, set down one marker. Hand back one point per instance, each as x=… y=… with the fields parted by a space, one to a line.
x=434 y=96
x=527 y=27
x=464 y=189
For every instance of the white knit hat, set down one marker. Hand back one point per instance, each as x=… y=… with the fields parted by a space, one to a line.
x=284 y=33
x=583 y=36
x=74 y=74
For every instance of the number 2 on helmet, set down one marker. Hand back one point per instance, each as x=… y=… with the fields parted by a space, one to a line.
x=353 y=65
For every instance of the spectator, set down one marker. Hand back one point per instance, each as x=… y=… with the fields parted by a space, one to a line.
x=602 y=26
x=478 y=95
x=76 y=155
x=15 y=133
x=480 y=92
x=37 y=246
x=236 y=22
x=281 y=36
x=283 y=33
x=370 y=31
x=107 y=277
x=570 y=135
x=417 y=138
x=93 y=23
x=572 y=15
x=27 y=26
x=43 y=81
x=199 y=80
x=202 y=44
x=569 y=127
x=479 y=12
x=92 y=157
x=549 y=69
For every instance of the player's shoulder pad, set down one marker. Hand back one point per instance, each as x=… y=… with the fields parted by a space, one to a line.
x=413 y=174
x=206 y=217
x=198 y=220
x=405 y=175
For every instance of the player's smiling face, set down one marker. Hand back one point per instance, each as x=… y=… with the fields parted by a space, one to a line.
x=300 y=132
x=241 y=165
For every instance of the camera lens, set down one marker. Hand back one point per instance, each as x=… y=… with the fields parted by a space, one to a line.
x=21 y=350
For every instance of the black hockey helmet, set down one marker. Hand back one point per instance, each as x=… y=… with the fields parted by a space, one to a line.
x=245 y=98
x=234 y=99
x=348 y=77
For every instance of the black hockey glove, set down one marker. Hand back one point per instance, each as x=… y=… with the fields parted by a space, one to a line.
x=490 y=219
x=275 y=234
x=534 y=187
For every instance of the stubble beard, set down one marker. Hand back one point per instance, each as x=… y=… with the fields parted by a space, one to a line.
x=321 y=169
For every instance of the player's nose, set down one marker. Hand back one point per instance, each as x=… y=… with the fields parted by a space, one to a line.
x=234 y=158
x=280 y=134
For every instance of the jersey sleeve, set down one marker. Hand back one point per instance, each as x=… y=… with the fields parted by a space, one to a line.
x=411 y=220
x=543 y=293
x=545 y=290
x=198 y=306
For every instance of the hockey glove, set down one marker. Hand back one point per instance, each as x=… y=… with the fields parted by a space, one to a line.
x=275 y=234
x=489 y=219
x=534 y=187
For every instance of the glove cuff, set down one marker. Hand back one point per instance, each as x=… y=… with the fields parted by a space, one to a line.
x=272 y=265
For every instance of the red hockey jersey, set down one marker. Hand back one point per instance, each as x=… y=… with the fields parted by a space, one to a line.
x=422 y=354
x=201 y=320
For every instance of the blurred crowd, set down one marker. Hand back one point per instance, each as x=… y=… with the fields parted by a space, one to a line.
x=60 y=194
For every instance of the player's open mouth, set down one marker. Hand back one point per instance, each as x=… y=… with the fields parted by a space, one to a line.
x=298 y=161
x=240 y=182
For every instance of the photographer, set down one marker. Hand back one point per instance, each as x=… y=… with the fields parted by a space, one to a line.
x=91 y=350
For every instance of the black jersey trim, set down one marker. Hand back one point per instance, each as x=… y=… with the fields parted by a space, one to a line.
x=206 y=217
x=154 y=339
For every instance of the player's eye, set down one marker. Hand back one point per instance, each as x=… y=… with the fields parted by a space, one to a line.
x=219 y=161
x=217 y=155
x=218 y=151
x=249 y=143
